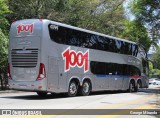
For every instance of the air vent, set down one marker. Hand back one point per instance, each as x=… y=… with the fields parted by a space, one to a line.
x=24 y=58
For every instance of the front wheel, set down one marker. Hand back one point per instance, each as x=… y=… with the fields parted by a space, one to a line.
x=85 y=88
x=72 y=90
x=42 y=94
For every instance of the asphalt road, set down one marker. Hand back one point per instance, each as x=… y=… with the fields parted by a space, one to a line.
x=117 y=104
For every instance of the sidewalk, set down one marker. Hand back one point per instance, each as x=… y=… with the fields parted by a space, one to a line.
x=7 y=90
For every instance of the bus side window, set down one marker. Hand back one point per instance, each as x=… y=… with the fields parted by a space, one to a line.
x=112 y=46
x=59 y=36
x=72 y=37
x=118 y=46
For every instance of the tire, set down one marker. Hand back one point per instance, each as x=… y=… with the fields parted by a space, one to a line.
x=42 y=94
x=132 y=87
x=85 y=88
x=139 y=85
x=72 y=89
x=154 y=83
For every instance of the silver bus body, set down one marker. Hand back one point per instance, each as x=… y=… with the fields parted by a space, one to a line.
x=40 y=64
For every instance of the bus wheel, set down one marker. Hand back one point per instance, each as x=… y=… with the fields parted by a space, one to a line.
x=139 y=85
x=132 y=87
x=72 y=90
x=85 y=88
x=42 y=94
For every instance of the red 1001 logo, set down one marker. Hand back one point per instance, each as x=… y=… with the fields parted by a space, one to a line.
x=25 y=28
x=73 y=59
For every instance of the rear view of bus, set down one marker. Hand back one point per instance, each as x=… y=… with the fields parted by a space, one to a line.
x=25 y=70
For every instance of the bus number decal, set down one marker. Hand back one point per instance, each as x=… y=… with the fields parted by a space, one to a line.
x=25 y=28
x=73 y=59
x=54 y=27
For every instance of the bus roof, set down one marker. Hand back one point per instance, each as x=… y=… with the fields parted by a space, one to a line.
x=79 y=29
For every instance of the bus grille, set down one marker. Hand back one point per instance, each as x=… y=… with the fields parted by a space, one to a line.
x=24 y=58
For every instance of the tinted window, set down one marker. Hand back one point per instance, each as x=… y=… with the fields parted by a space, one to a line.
x=73 y=37
x=100 y=43
x=57 y=34
x=118 y=46
x=112 y=46
x=126 y=50
x=114 y=69
x=134 y=50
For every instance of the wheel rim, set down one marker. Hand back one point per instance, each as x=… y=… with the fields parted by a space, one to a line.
x=86 y=87
x=72 y=88
x=138 y=85
x=132 y=87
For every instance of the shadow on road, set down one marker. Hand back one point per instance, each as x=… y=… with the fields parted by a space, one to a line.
x=57 y=96
x=155 y=90
x=63 y=95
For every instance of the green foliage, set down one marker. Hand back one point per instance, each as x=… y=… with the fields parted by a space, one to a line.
x=156 y=59
x=3 y=52
x=147 y=12
x=3 y=36
x=102 y=16
x=3 y=10
x=136 y=32
x=30 y=9
x=153 y=72
x=105 y=16
x=150 y=68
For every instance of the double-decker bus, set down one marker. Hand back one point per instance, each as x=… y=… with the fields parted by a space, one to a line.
x=51 y=57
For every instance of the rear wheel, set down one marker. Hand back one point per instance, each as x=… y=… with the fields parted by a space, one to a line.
x=154 y=83
x=85 y=88
x=139 y=85
x=72 y=90
x=42 y=94
x=132 y=87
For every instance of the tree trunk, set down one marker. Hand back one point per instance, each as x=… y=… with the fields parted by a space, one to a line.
x=1 y=81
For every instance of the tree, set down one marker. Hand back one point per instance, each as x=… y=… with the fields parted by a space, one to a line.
x=3 y=39
x=4 y=9
x=3 y=52
x=136 y=32
x=105 y=16
x=148 y=13
x=156 y=58
x=3 y=36
x=30 y=9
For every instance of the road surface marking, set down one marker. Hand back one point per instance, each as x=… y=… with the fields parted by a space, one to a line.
x=150 y=106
